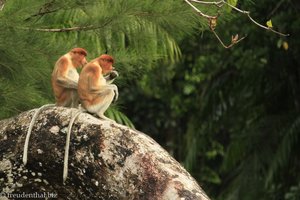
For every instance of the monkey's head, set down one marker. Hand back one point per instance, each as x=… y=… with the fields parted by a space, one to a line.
x=78 y=56
x=106 y=62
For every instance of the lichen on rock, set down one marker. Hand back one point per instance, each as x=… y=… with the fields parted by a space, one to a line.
x=106 y=161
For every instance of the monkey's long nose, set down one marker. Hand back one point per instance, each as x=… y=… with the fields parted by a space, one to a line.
x=84 y=62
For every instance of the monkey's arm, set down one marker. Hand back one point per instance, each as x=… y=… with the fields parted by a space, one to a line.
x=92 y=87
x=101 y=89
x=67 y=82
x=65 y=76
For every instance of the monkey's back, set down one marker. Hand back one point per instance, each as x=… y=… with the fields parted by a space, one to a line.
x=90 y=81
x=63 y=94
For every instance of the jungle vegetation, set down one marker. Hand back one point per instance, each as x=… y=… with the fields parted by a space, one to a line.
x=230 y=116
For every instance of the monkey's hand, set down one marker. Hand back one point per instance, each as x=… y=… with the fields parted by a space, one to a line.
x=67 y=82
x=111 y=76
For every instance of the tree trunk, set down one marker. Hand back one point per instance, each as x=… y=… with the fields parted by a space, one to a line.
x=106 y=161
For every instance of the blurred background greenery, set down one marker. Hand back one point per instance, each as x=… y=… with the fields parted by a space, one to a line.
x=230 y=116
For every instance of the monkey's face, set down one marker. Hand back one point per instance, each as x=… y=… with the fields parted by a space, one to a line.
x=106 y=66
x=79 y=59
x=83 y=60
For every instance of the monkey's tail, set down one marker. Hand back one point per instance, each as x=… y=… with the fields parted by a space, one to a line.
x=66 y=158
x=35 y=115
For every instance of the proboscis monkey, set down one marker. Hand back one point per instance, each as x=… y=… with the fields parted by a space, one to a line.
x=96 y=94
x=65 y=77
x=95 y=91
x=64 y=84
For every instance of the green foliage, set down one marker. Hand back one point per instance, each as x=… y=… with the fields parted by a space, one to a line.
x=293 y=193
x=35 y=33
x=231 y=116
x=119 y=117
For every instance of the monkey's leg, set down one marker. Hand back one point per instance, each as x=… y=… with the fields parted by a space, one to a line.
x=101 y=116
x=66 y=158
x=105 y=104
x=25 y=152
x=96 y=111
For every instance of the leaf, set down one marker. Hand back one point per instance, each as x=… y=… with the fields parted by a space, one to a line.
x=269 y=24
x=213 y=23
x=279 y=43
x=232 y=2
x=285 y=45
x=188 y=89
x=234 y=39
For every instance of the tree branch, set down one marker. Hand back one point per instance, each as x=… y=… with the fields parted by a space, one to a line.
x=255 y=22
x=216 y=3
x=2 y=3
x=213 y=19
x=198 y=11
x=76 y=28
x=42 y=13
x=276 y=8
x=234 y=40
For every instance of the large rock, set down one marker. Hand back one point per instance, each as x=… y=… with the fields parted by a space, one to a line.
x=107 y=161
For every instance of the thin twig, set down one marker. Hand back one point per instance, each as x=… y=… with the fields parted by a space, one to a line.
x=216 y=3
x=222 y=2
x=2 y=3
x=213 y=19
x=198 y=11
x=255 y=22
x=45 y=9
x=42 y=13
x=77 y=28
x=231 y=44
x=235 y=8
x=265 y=27
x=276 y=8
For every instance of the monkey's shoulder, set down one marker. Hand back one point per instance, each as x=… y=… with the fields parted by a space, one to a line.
x=63 y=63
x=92 y=68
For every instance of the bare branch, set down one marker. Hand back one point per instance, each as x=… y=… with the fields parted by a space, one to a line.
x=198 y=11
x=255 y=22
x=233 y=42
x=235 y=8
x=216 y=3
x=76 y=28
x=45 y=9
x=42 y=13
x=265 y=27
x=276 y=8
x=2 y=3
x=213 y=19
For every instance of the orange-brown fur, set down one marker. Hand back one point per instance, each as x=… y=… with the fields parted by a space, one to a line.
x=93 y=90
x=91 y=77
x=65 y=77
